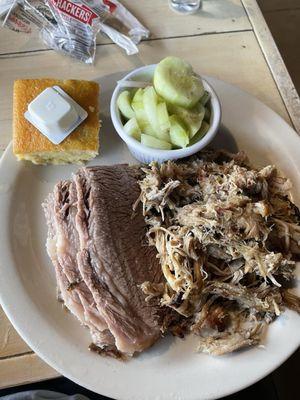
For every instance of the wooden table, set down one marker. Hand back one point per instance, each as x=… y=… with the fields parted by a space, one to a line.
x=228 y=39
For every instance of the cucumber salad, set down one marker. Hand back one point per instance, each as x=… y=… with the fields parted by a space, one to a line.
x=172 y=112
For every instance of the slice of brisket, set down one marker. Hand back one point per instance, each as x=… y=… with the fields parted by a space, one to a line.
x=98 y=248
x=62 y=247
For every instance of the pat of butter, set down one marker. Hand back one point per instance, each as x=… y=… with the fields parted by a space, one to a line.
x=55 y=114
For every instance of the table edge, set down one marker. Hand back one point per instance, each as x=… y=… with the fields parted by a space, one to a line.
x=275 y=62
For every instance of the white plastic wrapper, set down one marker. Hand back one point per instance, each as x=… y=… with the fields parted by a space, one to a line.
x=122 y=27
x=67 y=26
x=43 y=395
x=5 y=6
x=71 y=26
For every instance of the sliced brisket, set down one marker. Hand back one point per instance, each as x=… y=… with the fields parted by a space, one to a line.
x=114 y=258
x=98 y=248
x=62 y=247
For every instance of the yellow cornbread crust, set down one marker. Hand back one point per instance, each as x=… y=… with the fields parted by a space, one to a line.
x=81 y=144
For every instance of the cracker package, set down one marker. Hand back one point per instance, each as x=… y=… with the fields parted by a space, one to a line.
x=71 y=26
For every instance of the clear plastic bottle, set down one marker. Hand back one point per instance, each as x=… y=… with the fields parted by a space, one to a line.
x=185 y=6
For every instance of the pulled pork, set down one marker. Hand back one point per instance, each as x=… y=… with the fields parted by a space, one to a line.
x=227 y=237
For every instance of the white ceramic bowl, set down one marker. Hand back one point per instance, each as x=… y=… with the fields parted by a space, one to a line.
x=147 y=154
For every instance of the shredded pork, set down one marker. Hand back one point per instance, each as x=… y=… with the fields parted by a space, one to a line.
x=227 y=238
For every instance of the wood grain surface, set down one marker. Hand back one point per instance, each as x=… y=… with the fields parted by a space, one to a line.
x=216 y=17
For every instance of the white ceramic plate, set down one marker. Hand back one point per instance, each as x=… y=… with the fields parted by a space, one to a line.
x=171 y=369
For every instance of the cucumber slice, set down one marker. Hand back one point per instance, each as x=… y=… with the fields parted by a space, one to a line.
x=132 y=129
x=155 y=143
x=192 y=118
x=163 y=117
x=204 y=99
x=178 y=133
x=137 y=105
x=144 y=123
x=123 y=102
x=207 y=114
x=137 y=101
x=150 y=107
x=202 y=132
x=175 y=81
x=163 y=121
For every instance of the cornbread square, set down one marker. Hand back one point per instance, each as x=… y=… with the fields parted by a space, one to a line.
x=30 y=144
